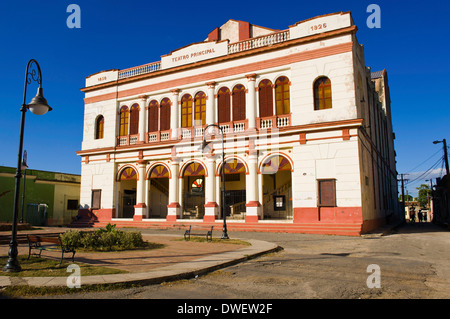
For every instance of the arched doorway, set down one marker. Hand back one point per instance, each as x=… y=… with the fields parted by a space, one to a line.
x=158 y=194
x=276 y=173
x=194 y=191
x=127 y=192
x=235 y=188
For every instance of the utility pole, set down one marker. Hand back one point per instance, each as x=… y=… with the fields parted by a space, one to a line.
x=403 y=193
x=445 y=155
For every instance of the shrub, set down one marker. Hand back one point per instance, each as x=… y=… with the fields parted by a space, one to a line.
x=108 y=238
x=71 y=238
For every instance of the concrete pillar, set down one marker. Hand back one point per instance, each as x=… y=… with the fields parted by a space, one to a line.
x=210 y=104
x=143 y=118
x=211 y=207
x=251 y=101
x=140 y=209
x=253 y=206
x=173 y=209
x=174 y=113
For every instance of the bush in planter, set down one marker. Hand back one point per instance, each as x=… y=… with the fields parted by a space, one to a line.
x=107 y=238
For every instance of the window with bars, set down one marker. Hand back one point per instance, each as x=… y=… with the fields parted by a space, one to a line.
x=282 y=97
x=153 y=116
x=265 y=91
x=200 y=108
x=239 y=103
x=223 y=105
x=99 y=127
x=164 y=114
x=124 y=118
x=186 y=111
x=322 y=94
x=96 y=199
x=134 y=119
x=326 y=193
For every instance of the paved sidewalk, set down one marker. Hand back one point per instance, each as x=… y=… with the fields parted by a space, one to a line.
x=177 y=260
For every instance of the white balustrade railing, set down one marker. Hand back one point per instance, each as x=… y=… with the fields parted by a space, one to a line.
x=165 y=136
x=283 y=121
x=258 y=42
x=266 y=123
x=142 y=69
x=153 y=137
x=238 y=127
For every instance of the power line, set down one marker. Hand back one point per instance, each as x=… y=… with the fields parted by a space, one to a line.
x=427 y=171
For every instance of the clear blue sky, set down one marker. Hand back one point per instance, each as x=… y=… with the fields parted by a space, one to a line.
x=413 y=44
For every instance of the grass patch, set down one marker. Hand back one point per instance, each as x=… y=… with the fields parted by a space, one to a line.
x=29 y=292
x=199 y=239
x=44 y=267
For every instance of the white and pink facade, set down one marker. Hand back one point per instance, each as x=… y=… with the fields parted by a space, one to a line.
x=308 y=138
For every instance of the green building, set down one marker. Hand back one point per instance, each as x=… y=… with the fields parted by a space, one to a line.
x=51 y=198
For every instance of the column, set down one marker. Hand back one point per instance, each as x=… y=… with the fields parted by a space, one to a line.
x=174 y=208
x=210 y=105
x=211 y=207
x=253 y=206
x=174 y=113
x=140 y=209
x=143 y=119
x=251 y=101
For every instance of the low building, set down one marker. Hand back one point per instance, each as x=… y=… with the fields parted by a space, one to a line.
x=51 y=198
x=307 y=134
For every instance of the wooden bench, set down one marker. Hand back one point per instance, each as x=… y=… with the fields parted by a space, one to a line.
x=50 y=243
x=199 y=231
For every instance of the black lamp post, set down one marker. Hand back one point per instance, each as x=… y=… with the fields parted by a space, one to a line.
x=224 y=215
x=38 y=106
x=24 y=168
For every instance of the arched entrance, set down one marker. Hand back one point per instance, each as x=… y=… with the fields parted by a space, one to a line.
x=193 y=191
x=127 y=192
x=158 y=192
x=235 y=190
x=276 y=173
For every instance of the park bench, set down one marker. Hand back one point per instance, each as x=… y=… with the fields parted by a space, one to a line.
x=196 y=230
x=49 y=243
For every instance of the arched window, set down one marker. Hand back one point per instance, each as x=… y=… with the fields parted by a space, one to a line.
x=223 y=105
x=153 y=116
x=239 y=103
x=164 y=114
x=265 y=98
x=186 y=111
x=282 y=95
x=124 y=118
x=200 y=108
x=134 y=119
x=99 y=127
x=322 y=93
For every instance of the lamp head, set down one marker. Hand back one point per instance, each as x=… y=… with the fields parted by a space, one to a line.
x=38 y=104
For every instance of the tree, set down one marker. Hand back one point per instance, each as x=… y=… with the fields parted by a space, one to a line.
x=408 y=198
x=424 y=194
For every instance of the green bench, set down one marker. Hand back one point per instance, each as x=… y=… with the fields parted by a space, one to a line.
x=49 y=243
x=199 y=231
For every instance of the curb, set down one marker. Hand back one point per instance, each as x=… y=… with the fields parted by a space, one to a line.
x=178 y=271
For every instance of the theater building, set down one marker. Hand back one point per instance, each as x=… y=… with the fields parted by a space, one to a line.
x=304 y=125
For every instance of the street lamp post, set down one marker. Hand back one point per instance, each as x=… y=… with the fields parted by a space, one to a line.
x=24 y=168
x=224 y=215
x=445 y=153
x=38 y=106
